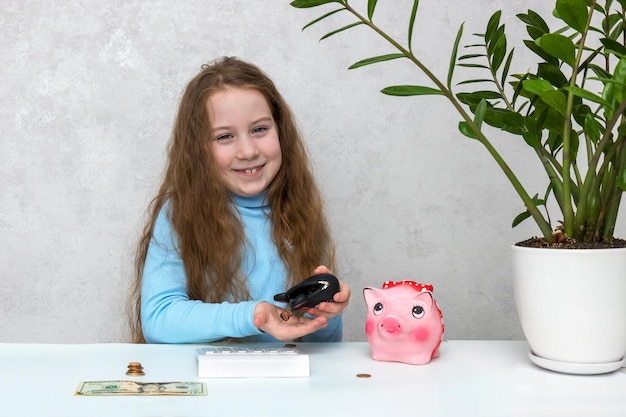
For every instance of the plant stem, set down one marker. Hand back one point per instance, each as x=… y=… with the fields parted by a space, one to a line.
x=568 y=210
x=541 y=222
x=614 y=200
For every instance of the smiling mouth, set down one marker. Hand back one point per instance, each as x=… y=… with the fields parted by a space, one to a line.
x=250 y=171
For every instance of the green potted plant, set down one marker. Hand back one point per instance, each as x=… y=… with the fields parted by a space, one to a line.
x=569 y=108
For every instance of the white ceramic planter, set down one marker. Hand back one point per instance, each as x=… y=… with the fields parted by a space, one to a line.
x=572 y=303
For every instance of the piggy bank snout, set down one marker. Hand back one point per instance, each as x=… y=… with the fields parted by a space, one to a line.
x=391 y=325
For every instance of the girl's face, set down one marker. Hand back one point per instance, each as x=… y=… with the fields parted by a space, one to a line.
x=244 y=140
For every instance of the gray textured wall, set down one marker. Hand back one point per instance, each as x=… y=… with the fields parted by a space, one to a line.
x=89 y=91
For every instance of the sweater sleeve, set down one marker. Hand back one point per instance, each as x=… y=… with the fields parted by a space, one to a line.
x=167 y=313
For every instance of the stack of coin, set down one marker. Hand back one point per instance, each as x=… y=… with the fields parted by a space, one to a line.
x=135 y=369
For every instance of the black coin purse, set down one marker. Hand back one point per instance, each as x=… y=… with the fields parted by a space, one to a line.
x=310 y=292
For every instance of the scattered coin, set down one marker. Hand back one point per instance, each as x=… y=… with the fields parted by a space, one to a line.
x=135 y=369
x=363 y=375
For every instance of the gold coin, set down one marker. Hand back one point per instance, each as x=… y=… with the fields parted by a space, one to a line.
x=135 y=373
x=135 y=369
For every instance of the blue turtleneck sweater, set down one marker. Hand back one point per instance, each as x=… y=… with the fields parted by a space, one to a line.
x=169 y=316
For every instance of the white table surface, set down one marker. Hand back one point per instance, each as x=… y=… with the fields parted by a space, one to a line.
x=470 y=378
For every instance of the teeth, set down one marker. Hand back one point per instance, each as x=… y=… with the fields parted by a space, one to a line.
x=251 y=171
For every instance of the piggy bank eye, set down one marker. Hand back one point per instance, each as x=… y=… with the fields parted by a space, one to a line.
x=418 y=312
x=378 y=309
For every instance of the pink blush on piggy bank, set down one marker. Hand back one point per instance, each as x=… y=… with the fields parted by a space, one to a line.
x=404 y=322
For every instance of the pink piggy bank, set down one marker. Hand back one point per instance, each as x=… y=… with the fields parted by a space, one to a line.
x=404 y=322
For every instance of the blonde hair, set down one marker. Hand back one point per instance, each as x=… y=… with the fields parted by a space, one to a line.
x=201 y=206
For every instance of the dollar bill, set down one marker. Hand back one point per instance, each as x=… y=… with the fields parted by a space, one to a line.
x=140 y=388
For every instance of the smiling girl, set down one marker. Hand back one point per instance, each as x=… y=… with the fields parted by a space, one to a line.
x=237 y=219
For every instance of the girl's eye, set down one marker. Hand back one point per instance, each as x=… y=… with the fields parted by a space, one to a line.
x=259 y=129
x=223 y=138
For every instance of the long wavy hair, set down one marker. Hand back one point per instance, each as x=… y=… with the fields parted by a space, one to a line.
x=201 y=208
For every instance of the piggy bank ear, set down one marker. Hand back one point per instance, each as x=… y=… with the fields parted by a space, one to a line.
x=371 y=295
x=426 y=297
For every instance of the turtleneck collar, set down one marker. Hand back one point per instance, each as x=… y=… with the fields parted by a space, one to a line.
x=252 y=201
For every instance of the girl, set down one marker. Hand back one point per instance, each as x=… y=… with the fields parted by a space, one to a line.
x=237 y=219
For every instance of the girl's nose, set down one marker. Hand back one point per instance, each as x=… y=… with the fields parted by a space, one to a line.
x=247 y=148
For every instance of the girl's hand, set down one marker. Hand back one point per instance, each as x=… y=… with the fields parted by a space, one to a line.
x=283 y=325
x=341 y=299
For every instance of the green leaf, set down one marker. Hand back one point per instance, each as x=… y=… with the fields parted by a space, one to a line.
x=492 y=26
x=554 y=123
x=537 y=86
x=621 y=130
x=525 y=215
x=486 y=80
x=534 y=33
x=476 y=96
x=539 y=51
x=412 y=22
x=593 y=129
x=410 y=90
x=556 y=100
x=474 y=66
x=535 y=25
x=618 y=31
x=334 y=32
x=499 y=53
x=455 y=51
x=608 y=93
x=574 y=13
x=615 y=47
x=520 y=218
x=552 y=73
x=613 y=21
x=471 y=56
x=580 y=112
x=512 y=119
x=465 y=129
x=304 y=4
x=619 y=77
x=531 y=139
x=599 y=71
x=553 y=98
x=621 y=179
x=375 y=59
x=574 y=144
x=507 y=66
x=558 y=46
x=614 y=91
x=371 y=6
x=587 y=95
x=479 y=113
x=493 y=43
x=311 y=23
